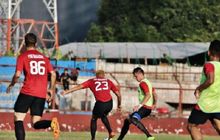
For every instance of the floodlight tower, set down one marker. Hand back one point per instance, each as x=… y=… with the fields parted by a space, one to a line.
x=9 y=9
x=13 y=28
x=51 y=6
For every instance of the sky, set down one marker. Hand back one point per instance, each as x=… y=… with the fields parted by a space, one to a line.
x=74 y=16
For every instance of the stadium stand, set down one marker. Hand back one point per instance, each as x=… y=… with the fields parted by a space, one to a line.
x=7 y=68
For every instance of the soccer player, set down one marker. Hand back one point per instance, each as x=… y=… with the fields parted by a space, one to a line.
x=100 y=86
x=147 y=101
x=207 y=95
x=35 y=67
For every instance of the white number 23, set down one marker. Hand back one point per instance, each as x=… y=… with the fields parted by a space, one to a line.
x=99 y=87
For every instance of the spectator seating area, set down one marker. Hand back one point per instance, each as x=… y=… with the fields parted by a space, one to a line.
x=7 y=69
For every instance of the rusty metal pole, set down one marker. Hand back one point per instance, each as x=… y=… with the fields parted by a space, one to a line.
x=8 y=36
x=9 y=26
x=180 y=110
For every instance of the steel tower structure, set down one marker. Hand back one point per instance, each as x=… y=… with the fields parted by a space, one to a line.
x=13 y=28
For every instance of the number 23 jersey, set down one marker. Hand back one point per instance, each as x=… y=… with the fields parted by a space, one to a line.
x=101 y=88
x=35 y=67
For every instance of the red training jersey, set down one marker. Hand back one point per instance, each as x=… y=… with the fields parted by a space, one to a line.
x=36 y=68
x=101 y=88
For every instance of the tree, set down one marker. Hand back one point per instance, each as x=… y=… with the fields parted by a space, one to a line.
x=95 y=34
x=157 y=21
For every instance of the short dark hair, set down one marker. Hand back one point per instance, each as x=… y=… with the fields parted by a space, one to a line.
x=214 y=48
x=138 y=70
x=30 y=39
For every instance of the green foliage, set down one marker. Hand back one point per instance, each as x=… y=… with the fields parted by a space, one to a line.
x=156 y=21
x=57 y=54
x=95 y=34
x=10 y=53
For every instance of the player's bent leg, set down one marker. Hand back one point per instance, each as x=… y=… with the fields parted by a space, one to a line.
x=196 y=118
x=93 y=126
x=124 y=129
x=107 y=125
x=135 y=119
x=194 y=131
x=105 y=108
x=35 y=118
x=37 y=123
x=36 y=109
x=216 y=125
x=19 y=127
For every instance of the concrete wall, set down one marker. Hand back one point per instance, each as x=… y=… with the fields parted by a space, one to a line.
x=80 y=121
x=161 y=77
x=164 y=82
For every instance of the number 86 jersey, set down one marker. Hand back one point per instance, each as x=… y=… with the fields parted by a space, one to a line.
x=35 y=67
x=101 y=88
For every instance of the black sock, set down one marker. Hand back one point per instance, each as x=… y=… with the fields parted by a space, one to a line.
x=93 y=127
x=42 y=124
x=124 y=129
x=106 y=123
x=139 y=125
x=19 y=130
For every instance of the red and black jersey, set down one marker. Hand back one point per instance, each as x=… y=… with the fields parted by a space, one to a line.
x=35 y=67
x=101 y=88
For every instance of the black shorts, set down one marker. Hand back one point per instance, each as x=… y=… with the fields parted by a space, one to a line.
x=102 y=108
x=141 y=113
x=24 y=102
x=200 y=117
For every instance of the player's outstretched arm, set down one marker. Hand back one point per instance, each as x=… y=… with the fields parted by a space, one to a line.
x=13 y=81
x=118 y=94
x=78 y=87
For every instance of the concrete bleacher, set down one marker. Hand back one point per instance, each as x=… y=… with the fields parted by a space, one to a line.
x=162 y=78
x=7 y=100
x=7 y=69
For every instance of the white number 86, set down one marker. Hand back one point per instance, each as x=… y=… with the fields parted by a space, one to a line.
x=37 y=67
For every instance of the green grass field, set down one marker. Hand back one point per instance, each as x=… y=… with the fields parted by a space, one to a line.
x=6 y=135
